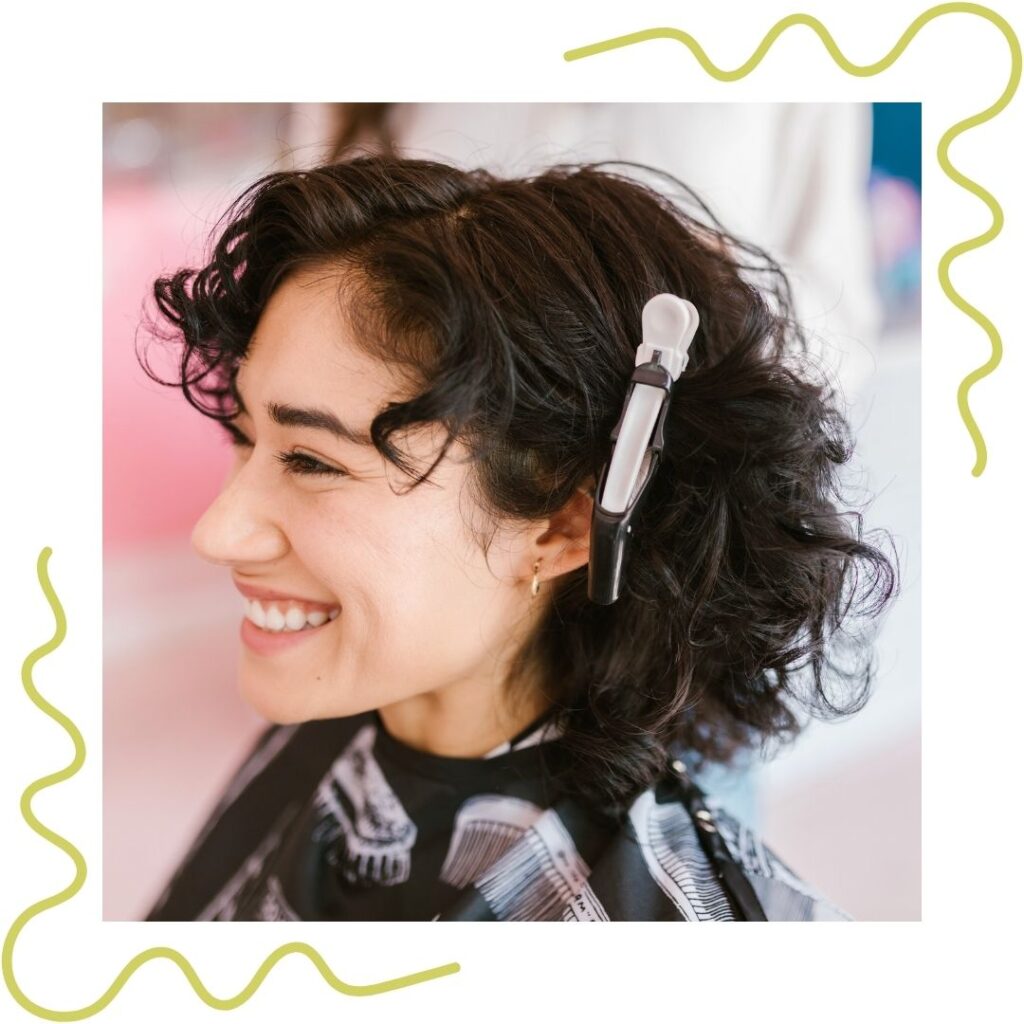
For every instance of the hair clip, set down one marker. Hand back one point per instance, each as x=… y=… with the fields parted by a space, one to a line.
x=669 y=324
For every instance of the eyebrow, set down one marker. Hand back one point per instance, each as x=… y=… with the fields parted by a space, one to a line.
x=317 y=419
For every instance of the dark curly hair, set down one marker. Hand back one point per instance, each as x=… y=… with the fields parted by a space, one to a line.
x=516 y=305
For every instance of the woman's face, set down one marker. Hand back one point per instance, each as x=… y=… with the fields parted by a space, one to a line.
x=412 y=604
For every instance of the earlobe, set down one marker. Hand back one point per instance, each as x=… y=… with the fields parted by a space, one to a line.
x=564 y=544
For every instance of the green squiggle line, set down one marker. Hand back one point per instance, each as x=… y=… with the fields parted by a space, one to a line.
x=156 y=952
x=865 y=71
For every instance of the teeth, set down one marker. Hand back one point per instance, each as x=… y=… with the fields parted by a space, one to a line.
x=289 y=618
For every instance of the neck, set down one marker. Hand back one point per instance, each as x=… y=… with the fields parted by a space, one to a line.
x=463 y=719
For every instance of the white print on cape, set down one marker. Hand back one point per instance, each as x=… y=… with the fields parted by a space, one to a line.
x=535 y=875
x=672 y=852
x=485 y=827
x=273 y=905
x=224 y=905
x=370 y=834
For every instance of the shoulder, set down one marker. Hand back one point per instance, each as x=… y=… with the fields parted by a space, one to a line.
x=782 y=893
x=279 y=768
x=284 y=760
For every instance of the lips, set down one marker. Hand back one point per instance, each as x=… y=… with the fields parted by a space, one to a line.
x=268 y=594
x=265 y=643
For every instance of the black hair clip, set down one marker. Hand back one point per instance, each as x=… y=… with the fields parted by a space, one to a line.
x=669 y=324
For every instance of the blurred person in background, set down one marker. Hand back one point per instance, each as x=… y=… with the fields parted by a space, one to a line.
x=792 y=176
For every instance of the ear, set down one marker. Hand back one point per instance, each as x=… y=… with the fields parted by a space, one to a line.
x=563 y=543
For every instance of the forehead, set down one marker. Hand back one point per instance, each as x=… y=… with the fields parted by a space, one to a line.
x=303 y=351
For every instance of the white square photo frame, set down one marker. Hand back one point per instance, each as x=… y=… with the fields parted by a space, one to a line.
x=68 y=964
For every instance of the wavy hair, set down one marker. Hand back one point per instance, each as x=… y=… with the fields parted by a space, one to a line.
x=515 y=303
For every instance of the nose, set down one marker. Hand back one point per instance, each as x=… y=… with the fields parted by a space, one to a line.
x=239 y=526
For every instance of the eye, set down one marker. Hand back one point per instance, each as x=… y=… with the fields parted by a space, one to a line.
x=299 y=462
x=293 y=461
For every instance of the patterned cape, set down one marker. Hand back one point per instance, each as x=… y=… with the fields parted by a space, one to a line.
x=338 y=820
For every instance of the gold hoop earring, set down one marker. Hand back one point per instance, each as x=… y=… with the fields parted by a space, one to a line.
x=535 y=585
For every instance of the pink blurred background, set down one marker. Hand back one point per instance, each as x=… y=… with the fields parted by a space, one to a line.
x=173 y=724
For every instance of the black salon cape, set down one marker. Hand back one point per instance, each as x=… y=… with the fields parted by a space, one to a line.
x=338 y=820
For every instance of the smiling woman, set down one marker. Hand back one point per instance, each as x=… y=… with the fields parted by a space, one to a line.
x=331 y=531
x=421 y=369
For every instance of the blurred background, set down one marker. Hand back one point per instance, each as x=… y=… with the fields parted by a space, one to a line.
x=831 y=190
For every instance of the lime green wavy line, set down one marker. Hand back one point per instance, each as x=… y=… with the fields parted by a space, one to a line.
x=156 y=952
x=864 y=71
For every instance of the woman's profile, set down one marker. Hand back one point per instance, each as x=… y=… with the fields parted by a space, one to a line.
x=421 y=369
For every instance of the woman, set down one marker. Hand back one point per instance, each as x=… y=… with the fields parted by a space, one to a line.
x=421 y=368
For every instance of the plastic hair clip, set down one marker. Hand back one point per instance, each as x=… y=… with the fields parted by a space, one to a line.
x=669 y=324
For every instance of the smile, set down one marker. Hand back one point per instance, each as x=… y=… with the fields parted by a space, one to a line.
x=287 y=616
x=283 y=627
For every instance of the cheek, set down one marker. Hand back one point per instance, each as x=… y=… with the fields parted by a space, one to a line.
x=416 y=572
x=461 y=608
x=387 y=554
x=409 y=575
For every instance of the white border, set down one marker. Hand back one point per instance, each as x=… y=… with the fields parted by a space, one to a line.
x=62 y=62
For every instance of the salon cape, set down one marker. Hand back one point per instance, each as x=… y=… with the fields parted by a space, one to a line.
x=338 y=820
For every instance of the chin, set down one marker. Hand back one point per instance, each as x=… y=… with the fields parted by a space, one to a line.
x=290 y=704
x=273 y=703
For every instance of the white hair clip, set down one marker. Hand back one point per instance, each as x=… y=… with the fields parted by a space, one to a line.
x=669 y=324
